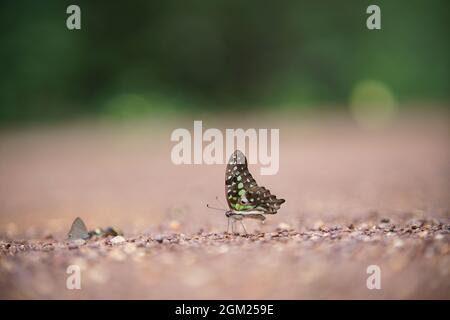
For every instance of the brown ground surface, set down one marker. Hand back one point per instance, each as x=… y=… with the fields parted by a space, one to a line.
x=354 y=198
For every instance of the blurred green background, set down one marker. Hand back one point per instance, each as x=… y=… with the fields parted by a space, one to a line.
x=145 y=57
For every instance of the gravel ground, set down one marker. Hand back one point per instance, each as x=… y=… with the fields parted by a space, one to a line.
x=327 y=262
x=353 y=199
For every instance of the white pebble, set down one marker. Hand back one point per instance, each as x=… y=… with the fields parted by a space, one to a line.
x=79 y=242
x=117 y=240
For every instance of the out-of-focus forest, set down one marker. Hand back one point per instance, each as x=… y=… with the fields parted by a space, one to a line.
x=144 y=57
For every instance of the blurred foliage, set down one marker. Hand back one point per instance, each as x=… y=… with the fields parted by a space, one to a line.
x=133 y=57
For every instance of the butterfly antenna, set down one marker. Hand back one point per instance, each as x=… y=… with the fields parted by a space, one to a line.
x=209 y=207
x=220 y=202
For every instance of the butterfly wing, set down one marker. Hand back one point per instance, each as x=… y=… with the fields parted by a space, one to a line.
x=78 y=230
x=261 y=199
x=237 y=180
x=242 y=191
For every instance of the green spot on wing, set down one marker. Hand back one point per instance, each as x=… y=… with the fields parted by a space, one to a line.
x=241 y=207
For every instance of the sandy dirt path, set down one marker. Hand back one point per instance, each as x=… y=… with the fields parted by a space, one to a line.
x=354 y=198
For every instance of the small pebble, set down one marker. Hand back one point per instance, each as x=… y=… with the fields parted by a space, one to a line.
x=79 y=242
x=318 y=224
x=117 y=240
x=158 y=238
x=398 y=243
x=284 y=226
x=174 y=225
x=439 y=236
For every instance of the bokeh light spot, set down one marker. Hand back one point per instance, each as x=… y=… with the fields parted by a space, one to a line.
x=372 y=104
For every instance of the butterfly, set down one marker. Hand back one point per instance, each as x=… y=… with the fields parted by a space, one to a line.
x=246 y=200
x=79 y=231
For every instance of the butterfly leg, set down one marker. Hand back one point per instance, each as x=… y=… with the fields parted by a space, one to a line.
x=228 y=227
x=243 y=227
x=236 y=227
